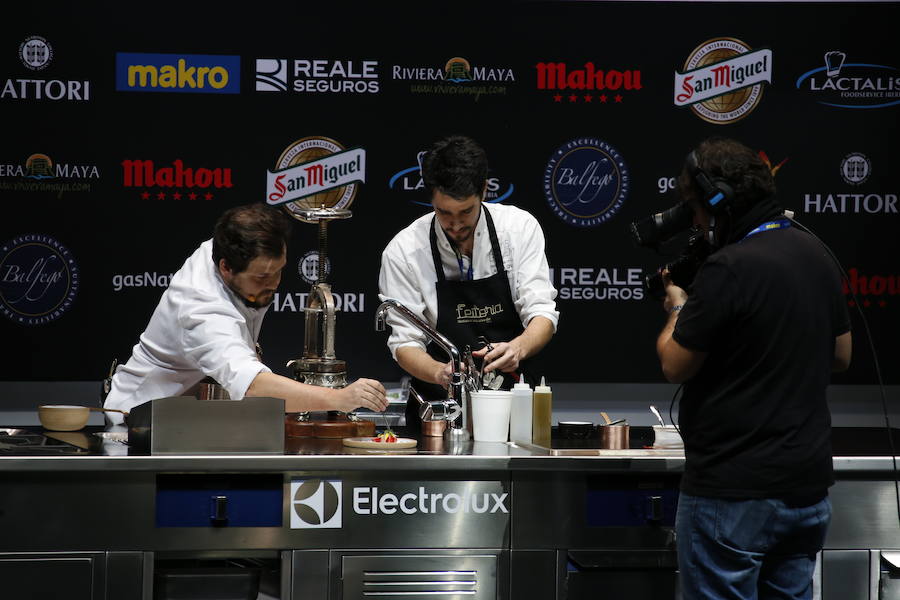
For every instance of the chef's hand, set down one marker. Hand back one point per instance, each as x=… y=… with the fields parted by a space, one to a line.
x=443 y=374
x=504 y=357
x=675 y=296
x=362 y=393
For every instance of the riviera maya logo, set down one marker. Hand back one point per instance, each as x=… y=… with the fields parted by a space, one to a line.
x=316 y=504
x=315 y=172
x=410 y=179
x=458 y=77
x=851 y=85
x=586 y=182
x=38 y=279
x=722 y=80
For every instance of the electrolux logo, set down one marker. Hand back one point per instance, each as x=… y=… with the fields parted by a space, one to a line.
x=180 y=73
x=36 y=53
x=598 y=283
x=188 y=182
x=457 y=77
x=316 y=504
x=586 y=182
x=317 y=76
x=38 y=279
x=588 y=85
x=722 y=80
x=409 y=179
x=855 y=168
x=851 y=85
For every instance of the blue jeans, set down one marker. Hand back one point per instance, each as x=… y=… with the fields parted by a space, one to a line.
x=748 y=549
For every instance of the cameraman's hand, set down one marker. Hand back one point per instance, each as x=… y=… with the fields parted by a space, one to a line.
x=675 y=296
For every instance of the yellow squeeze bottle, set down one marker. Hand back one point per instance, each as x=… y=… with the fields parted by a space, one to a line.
x=542 y=412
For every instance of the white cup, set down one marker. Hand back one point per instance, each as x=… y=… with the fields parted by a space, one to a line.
x=490 y=415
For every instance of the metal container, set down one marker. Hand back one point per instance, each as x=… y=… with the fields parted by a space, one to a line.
x=433 y=428
x=614 y=437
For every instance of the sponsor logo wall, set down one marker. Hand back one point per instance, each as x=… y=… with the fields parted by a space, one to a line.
x=123 y=145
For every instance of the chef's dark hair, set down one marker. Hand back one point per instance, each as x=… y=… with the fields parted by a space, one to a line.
x=456 y=166
x=246 y=232
x=725 y=164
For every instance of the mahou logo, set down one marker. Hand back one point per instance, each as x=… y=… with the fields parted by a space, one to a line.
x=870 y=289
x=175 y=181
x=587 y=83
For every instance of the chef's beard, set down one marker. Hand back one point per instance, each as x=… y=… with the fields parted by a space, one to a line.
x=251 y=301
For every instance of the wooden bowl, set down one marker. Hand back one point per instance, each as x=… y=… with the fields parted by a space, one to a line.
x=61 y=417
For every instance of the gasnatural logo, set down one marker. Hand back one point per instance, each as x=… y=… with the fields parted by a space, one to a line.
x=477 y=314
x=38 y=279
x=141 y=280
x=146 y=176
x=316 y=504
x=36 y=53
x=39 y=173
x=410 y=180
x=588 y=84
x=722 y=80
x=457 y=77
x=871 y=289
x=317 y=76
x=855 y=168
x=314 y=172
x=308 y=267
x=851 y=85
x=598 y=283
x=586 y=182
x=182 y=73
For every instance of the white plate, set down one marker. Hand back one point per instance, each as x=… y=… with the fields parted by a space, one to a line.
x=366 y=442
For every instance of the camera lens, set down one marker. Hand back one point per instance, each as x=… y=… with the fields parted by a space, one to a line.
x=659 y=227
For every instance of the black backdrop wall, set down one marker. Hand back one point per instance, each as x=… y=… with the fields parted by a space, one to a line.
x=89 y=236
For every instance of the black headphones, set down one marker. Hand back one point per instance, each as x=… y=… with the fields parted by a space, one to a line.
x=718 y=195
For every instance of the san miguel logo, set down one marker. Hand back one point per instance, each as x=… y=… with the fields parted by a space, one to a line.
x=588 y=84
x=722 y=80
x=410 y=179
x=36 y=54
x=315 y=172
x=184 y=73
x=586 y=182
x=843 y=84
x=175 y=181
x=38 y=279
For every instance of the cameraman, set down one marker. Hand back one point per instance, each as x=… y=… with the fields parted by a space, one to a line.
x=755 y=343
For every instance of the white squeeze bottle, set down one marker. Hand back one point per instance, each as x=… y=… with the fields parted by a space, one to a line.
x=541 y=414
x=520 y=415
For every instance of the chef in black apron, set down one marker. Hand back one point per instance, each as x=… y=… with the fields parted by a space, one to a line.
x=467 y=309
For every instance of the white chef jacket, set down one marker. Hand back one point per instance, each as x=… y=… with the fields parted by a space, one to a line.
x=200 y=328
x=407 y=269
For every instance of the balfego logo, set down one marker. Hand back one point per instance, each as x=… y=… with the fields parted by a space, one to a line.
x=315 y=172
x=722 y=80
x=38 y=279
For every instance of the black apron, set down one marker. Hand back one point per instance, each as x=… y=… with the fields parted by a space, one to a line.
x=465 y=311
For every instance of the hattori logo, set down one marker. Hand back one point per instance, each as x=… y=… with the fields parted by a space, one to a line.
x=317 y=76
x=586 y=182
x=308 y=267
x=410 y=180
x=348 y=302
x=722 y=80
x=586 y=85
x=316 y=504
x=38 y=279
x=183 y=73
x=856 y=168
x=35 y=53
x=851 y=85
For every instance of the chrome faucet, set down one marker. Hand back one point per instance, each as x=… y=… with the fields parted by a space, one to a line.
x=458 y=415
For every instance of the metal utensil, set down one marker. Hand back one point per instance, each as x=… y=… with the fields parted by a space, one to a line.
x=657 y=415
x=605 y=417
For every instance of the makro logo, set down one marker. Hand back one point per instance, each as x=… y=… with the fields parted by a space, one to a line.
x=191 y=183
x=315 y=172
x=587 y=84
x=841 y=84
x=38 y=279
x=182 y=73
x=348 y=302
x=722 y=80
x=141 y=280
x=457 y=77
x=36 y=54
x=40 y=173
x=317 y=76
x=871 y=289
x=855 y=168
x=586 y=182
x=598 y=283
x=410 y=179
x=316 y=504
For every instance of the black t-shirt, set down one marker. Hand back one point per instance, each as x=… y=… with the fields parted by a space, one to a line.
x=754 y=419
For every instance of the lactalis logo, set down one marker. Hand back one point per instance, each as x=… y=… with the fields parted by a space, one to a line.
x=316 y=504
x=843 y=84
x=183 y=73
x=410 y=179
x=477 y=314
